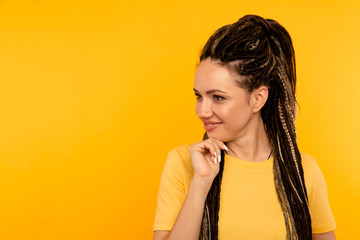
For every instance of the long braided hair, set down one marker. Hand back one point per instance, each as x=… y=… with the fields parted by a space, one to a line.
x=261 y=51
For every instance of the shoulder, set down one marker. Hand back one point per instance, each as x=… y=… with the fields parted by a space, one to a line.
x=179 y=157
x=308 y=162
x=309 y=165
x=322 y=218
x=312 y=173
x=182 y=151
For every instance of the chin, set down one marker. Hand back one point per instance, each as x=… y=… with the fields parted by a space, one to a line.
x=216 y=136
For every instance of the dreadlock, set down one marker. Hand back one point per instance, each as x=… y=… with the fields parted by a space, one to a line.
x=261 y=50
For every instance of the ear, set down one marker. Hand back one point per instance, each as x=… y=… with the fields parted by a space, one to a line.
x=259 y=97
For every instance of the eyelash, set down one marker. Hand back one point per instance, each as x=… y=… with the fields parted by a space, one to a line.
x=217 y=97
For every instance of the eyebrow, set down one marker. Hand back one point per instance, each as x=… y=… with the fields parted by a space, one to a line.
x=211 y=91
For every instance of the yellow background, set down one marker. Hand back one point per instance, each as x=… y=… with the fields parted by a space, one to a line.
x=93 y=94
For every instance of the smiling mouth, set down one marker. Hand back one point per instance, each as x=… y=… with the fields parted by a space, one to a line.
x=211 y=126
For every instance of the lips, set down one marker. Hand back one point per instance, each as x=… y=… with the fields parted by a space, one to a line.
x=208 y=125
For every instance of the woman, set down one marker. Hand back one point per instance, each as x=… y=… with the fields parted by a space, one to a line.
x=247 y=179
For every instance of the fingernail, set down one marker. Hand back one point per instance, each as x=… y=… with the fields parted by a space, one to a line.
x=226 y=148
x=215 y=161
x=215 y=154
x=219 y=159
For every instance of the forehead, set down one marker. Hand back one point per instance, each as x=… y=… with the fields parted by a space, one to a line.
x=211 y=75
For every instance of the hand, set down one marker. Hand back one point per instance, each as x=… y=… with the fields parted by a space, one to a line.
x=205 y=158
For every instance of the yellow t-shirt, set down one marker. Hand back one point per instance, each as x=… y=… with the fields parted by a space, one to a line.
x=249 y=206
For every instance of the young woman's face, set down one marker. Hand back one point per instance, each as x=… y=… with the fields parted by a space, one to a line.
x=222 y=105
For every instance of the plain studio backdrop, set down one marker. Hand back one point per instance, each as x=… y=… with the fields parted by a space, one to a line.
x=94 y=94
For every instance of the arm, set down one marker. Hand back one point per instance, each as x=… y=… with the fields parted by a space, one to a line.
x=204 y=156
x=324 y=236
x=188 y=223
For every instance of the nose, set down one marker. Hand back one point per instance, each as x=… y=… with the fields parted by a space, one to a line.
x=204 y=109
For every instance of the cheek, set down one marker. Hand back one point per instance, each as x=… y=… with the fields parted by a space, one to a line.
x=226 y=112
x=235 y=113
x=197 y=106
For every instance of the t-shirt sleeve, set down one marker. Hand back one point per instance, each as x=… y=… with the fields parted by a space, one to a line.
x=172 y=193
x=321 y=215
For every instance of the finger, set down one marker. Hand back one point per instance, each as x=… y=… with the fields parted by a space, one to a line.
x=220 y=146
x=217 y=149
x=207 y=147
x=213 y=149
x=217 y=152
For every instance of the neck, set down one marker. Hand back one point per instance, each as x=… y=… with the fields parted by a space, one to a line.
x=253 y=145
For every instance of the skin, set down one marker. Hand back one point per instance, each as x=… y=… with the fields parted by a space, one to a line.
x=221 y=100
x=238 y=111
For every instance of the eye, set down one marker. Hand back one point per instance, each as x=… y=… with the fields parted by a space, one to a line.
x=197 y=96
x=218 y=98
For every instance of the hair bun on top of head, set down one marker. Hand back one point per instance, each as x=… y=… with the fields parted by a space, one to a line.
x=258 y=20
